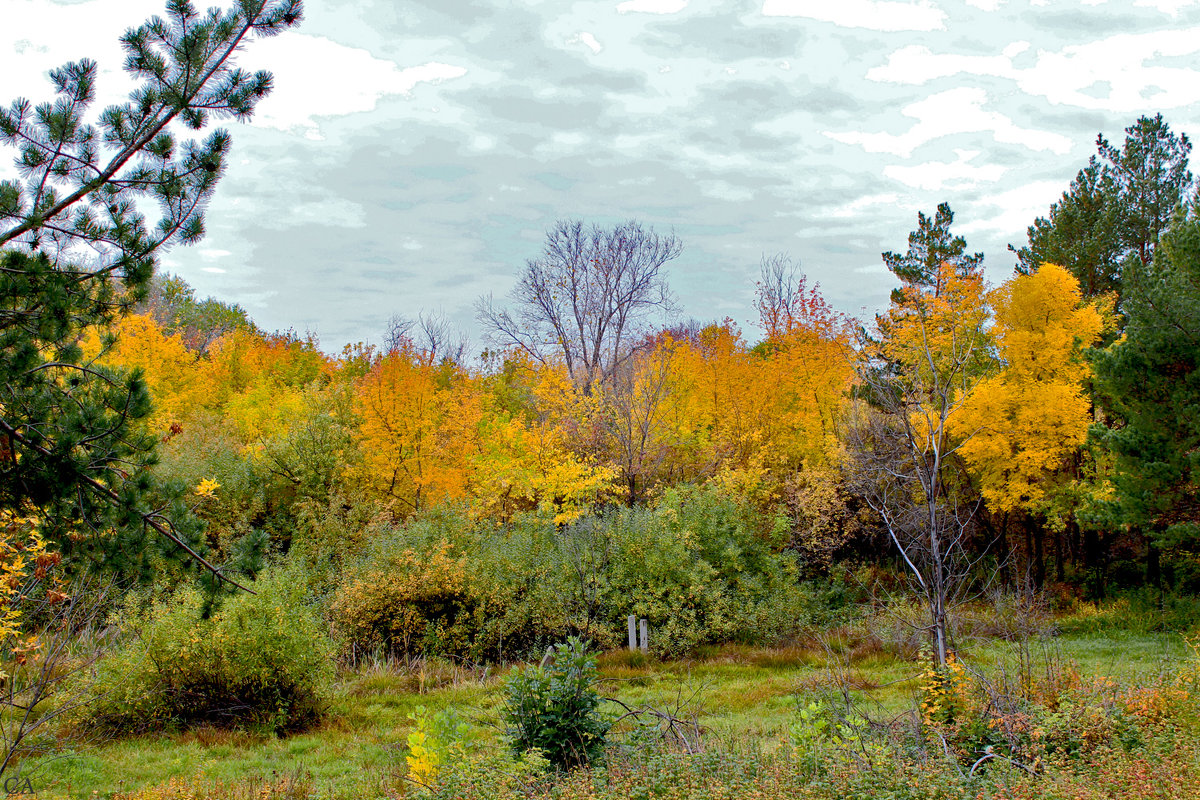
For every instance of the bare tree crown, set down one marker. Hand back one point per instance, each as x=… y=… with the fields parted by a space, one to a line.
x=587 y=298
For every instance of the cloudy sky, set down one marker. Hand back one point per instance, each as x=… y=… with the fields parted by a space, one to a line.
x=415 y=152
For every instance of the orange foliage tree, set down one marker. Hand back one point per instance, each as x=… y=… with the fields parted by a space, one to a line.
x=809 y=352
x=419 y=429
x=705 y=405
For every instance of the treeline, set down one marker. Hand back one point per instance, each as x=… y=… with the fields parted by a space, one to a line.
x=1068 y=421
x=282 y=428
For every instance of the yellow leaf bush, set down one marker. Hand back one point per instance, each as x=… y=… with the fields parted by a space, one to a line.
x=411 y=603
x=26 y=566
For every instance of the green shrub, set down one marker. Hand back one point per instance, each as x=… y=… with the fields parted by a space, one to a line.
x=530 y=591
x=699 y=572
x=260 y=662
x=326 y=537
x=554 y=709
x=441 y=585
x=695 y=566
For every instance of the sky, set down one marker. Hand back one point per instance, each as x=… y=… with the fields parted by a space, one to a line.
x=414 y=153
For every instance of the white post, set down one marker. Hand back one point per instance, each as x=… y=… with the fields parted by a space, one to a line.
x=645 y=636
x=632 y=632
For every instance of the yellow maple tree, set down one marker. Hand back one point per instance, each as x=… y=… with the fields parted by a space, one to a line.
x=172 y=374
x=1033 y=414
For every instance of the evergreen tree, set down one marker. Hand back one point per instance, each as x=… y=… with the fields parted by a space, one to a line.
x=929 y=247
x=1106 y=228
x=1150 y=381
x=1148 y=178
x=77 y=251
x=1079 y=235
x=1115 y=210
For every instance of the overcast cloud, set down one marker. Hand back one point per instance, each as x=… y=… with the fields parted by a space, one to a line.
x=414 y=153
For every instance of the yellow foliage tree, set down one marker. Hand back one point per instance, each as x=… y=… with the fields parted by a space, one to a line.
x=524 y=466
x=919 y=371
x=538 y=457
x=170 y=371
x=1030 y=418
x=259 y=383
x=25 y=562
x=724 y=405
x=811 y=362
x=748 y=417
x=419 y=429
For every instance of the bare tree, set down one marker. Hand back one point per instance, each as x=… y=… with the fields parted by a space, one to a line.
x=399 y=331
x=38 y=686
x=587 y=298
x=634 y=416
x=916 y=372
x=779 y=284
x=433 y=335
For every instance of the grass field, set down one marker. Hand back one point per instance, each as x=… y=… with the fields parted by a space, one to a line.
x=742 y=697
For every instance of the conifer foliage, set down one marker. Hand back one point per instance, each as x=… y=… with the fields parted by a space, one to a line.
x=1150 y=379
x=1116 y=209
x=930 y=248
x=76 y=250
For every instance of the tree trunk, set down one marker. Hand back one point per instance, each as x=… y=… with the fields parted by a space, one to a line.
x=1004 y=553
x=1060 y=574
x=1093 y=562
x=1153 y=566
x=1039 y=555
x=1074 y=547
x=939 y=632
x=1028 y=571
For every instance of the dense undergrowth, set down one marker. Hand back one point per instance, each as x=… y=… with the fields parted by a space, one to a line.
x=696 y=566
x=398 y=671
x=1092 y=702
x=260 y=662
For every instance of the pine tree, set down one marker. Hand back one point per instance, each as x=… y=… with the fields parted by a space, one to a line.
x=76 y=251
x=1148 y=178
x=929 y=247
x=1150 y=380
x=1115 y=210
x=1080 y=234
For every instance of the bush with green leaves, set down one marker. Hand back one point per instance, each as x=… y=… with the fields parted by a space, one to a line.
x=696 y=566
x=439 y=740
x=412 y=604
x=443 y=585
x=260 y=662
x=699 y=571
x=819 y=734
x=554 y=709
